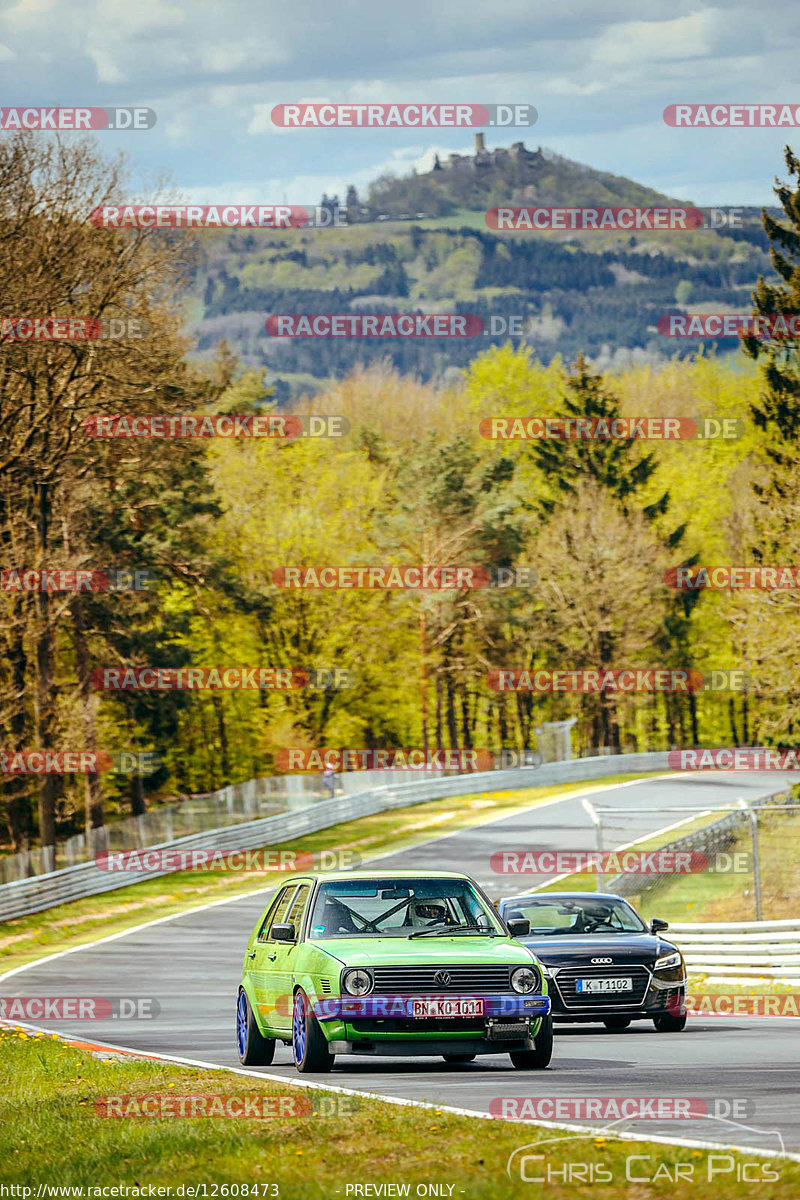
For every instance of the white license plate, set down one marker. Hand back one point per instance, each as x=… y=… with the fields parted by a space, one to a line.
x=605 y=985
x=457 y=1007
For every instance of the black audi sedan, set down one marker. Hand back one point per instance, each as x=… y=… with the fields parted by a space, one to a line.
x=601 y=961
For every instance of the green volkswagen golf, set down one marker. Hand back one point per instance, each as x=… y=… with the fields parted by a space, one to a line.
x=397 y=963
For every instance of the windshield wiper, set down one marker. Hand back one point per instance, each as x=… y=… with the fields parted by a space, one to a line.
x=449 y=931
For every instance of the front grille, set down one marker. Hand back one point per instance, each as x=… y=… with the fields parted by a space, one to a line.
x=668 y=999
x=566 y=983
x=405 y=980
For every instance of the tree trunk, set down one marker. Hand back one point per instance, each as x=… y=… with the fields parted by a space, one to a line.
x=45 y=690
x=138 y=802
x=95 y=817
x=439 y=709
x=693 y=717
x=732 y=716
x=452 y=729
x=18 y=786
x=423 y=677
x=223 y=737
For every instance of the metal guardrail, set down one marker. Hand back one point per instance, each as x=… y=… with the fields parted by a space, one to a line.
x=744 y=950
x=234 y=804
x=24 y=896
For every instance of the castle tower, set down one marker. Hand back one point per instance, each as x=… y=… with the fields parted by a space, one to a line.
x=480 y=147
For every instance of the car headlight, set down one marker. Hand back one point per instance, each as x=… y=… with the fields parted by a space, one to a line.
x=669 y=960
x=525 y=980
x=357 y=982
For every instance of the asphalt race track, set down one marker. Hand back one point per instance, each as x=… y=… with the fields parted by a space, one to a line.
x=191 y=966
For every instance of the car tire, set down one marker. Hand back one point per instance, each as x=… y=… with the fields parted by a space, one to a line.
x=616 y=1023
x=669 y=1023
x=458 y=1058
x=254 y=1049
x=309 y=1044
x=538 y=1058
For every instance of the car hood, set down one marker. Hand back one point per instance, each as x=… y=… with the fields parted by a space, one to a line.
x=621 y=947
x=360 y=952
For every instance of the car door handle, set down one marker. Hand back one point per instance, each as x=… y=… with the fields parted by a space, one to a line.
x=252 y=954
x=272 y=957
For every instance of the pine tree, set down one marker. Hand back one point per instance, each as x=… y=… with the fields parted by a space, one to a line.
x=619 y=468
x=778 y=412
x=616 y=465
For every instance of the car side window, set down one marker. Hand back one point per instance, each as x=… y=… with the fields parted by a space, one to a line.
x=297 y=912
x=277 y=911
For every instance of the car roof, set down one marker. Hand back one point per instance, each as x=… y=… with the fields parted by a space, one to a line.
x=563 y=896
x=335 y=876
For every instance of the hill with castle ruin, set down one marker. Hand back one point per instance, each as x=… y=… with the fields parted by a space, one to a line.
x=420 y=243
x=487 y=178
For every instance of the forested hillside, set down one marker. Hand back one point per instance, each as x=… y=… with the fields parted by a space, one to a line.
x=421 y=244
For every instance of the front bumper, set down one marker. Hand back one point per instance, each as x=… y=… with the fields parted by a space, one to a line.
x=505 y=1018
x=653 y=997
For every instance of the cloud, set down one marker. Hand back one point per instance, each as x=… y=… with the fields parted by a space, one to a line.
x=598 y=78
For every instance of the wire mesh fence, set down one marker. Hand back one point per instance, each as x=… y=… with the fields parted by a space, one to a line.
x=736 y=861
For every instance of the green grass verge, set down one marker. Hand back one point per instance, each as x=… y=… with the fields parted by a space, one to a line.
x=83 y=921
x=51 y=1133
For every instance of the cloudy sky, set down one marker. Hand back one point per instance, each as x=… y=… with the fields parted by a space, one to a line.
x=599 y=74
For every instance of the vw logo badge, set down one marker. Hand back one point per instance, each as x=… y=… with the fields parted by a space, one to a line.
x=442 y=978
x=602 y=960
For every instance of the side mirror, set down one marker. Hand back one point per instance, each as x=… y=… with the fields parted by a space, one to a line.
x=282 y=933
x=519 y=926
x=658 y=926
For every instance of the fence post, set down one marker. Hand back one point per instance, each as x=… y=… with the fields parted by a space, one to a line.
x=753 y=818
x=590 y=809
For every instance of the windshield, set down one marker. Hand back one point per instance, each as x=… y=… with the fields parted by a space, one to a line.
x=557 y=917
x=401 y=908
